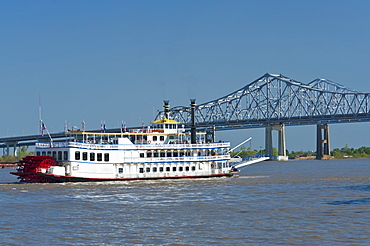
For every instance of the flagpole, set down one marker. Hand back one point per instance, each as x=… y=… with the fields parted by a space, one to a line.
x=40 y=119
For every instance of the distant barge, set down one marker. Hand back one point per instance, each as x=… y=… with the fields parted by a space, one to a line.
x=8 y=165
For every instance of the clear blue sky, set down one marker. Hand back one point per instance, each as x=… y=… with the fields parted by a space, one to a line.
x=117 y=61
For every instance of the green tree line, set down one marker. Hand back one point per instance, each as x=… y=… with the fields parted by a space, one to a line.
x=21 y=152
x=345 y=152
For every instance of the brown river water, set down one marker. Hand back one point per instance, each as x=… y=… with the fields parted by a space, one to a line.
x=270 y=203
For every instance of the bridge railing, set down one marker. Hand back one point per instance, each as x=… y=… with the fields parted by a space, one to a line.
x=252 y=157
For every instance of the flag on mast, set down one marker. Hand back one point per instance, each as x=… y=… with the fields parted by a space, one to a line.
x=123 y=127
x=43 y=128
x=83 y=125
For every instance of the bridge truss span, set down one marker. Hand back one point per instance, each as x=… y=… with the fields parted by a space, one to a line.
x=276 y=99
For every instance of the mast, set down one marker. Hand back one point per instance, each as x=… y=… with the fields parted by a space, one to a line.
x=193 y=128
x=40 y=118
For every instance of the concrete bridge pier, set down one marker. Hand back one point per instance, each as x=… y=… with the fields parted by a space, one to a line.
x=323 y=142
x=281 y=141
x=8 y=145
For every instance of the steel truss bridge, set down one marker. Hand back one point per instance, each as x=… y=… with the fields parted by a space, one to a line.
x=275 y=100
x=272 y=101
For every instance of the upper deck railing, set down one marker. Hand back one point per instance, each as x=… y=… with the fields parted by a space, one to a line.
x=136 y=146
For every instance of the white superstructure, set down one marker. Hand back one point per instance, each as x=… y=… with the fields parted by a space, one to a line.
x=163 y=150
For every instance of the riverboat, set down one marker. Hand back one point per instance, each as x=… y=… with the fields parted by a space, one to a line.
x=163 y=150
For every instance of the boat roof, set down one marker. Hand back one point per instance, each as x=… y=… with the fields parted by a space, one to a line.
x=164 y=121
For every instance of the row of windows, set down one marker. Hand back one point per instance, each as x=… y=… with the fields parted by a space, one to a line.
x=91 y=156
x=141 y=138
x=161 y=169
x=58 y=155
x=174 y=154
x=167 y=126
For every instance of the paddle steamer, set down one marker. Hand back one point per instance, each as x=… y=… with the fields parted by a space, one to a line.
x=163 y=150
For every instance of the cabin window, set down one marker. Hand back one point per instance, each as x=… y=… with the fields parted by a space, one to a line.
x=187 y=169
x=163 y=154
x=169 y=154
x=156 y=154
x=65 y=155
x=181 y=169
x=77 y=155
x=149 y=154
x=106 y=157
x=92 y=156
x=175 y=154
x=166 y=126
x=60 y=155
x=154 y=169
x=174 y=169
x=99 y=156
x=155 y=138
x=168 y=169
x=141 y=170
x=188 y=153
x=38 y=153
x=161 y=169
x=84 y=156
x=161 y=138
x=120 y=170
x=182 y=153
x=141 y=155
x=49 y=153
x=193 y=168
x=55 y=154
x=148 y=169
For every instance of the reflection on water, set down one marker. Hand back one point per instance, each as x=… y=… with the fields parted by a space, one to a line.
x=278 y=203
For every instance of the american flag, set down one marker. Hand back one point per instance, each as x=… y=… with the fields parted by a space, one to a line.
x=43 y=128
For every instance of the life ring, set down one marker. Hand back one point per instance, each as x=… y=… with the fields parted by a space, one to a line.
x=212 y=165
x=149 y=142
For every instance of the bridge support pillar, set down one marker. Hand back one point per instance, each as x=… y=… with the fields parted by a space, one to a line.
x=323 y=142
x=281 y=141
x=8 y=145
x=7 y=149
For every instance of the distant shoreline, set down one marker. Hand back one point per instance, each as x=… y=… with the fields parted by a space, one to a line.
x=8 y=165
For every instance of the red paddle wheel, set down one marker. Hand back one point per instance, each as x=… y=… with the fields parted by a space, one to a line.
x=30 y=165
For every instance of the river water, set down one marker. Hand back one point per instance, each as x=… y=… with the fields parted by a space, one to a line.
x=270 y=203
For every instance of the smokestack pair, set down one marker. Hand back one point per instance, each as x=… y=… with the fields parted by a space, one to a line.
x=193 y=130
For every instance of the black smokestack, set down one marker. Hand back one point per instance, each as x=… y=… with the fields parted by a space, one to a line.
x=193 y=128
x=166 y=107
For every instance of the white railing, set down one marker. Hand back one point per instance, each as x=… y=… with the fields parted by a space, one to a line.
x=177 y=159
x=139 y=147
x=184 y=146
x=52 y=145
